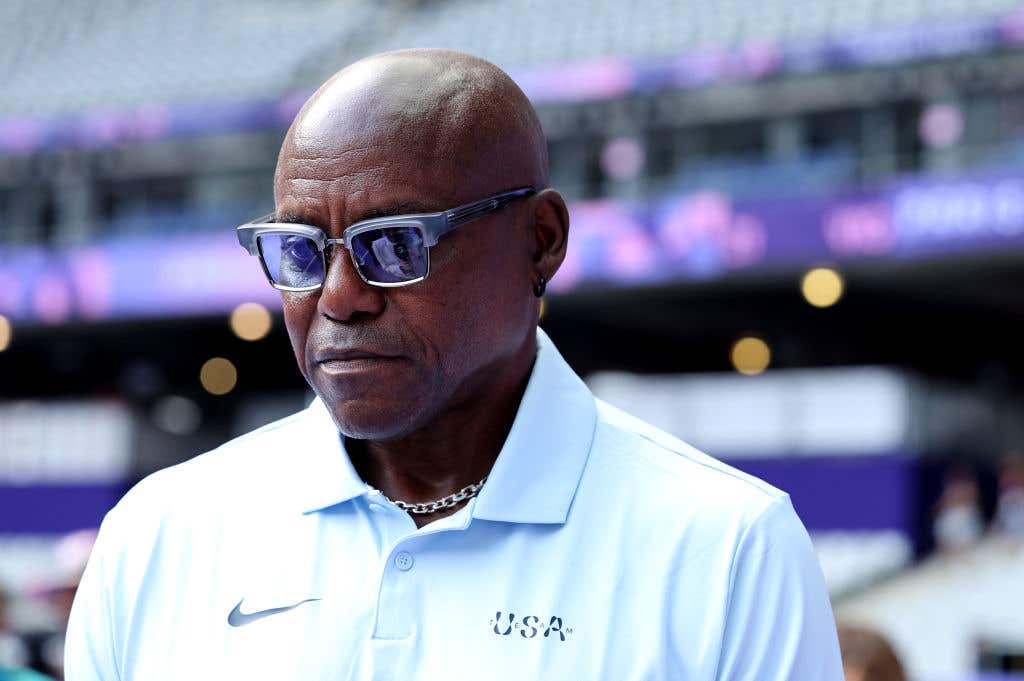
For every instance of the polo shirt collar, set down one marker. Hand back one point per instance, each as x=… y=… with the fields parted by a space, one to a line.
x=326 y=474
x=535 y=476
x=540 y=465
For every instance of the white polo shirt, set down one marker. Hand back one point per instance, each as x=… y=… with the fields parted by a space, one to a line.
x=600 y=548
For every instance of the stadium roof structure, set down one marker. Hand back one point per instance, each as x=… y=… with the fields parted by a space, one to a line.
x=63 y=58
x=527 y=34
x=91 y=74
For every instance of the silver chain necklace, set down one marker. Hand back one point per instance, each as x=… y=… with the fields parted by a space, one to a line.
x=467 y=492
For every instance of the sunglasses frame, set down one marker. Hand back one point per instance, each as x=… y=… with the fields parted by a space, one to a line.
x=432 y=226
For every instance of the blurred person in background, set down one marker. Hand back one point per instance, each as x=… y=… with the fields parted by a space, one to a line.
x=1009 y=518
x=14 y=653
x=868 y=656
x=455 y=502
x=70 y=556
x=959 y=520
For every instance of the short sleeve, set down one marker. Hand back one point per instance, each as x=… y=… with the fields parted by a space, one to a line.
x=779 y=624
x=89 y=649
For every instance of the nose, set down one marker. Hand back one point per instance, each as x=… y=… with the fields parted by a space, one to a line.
x=345 y=296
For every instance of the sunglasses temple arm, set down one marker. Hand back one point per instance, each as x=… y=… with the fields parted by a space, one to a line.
x=478 y=209
x=465 y=214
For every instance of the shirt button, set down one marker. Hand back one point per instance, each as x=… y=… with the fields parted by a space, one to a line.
x=403 y=561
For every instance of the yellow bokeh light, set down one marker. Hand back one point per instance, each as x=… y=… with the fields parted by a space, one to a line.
x=251 y=321
x=218 y=376
x=750 y=355
x=822 y=287
x=5 y=333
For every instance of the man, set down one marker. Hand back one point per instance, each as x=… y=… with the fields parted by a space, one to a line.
x=455 y=504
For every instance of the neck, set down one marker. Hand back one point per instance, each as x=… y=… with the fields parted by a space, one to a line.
x=458 y=447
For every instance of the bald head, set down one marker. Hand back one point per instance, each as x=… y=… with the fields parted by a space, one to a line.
x=447 y=118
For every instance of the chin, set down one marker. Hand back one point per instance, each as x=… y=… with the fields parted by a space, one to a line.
x=376 y=403
x=365 y=422
x=363 y=419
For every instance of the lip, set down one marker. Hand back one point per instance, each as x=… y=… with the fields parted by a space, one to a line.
x=338 y=355
x=351 y=360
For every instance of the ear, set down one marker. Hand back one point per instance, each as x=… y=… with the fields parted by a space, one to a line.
x=550 y=232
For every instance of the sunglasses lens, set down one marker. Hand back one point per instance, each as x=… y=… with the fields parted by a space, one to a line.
x=391 y=255
x=293 y=261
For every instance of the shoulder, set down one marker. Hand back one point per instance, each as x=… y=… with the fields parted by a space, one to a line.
x=233 y=478
x=668 y=471
x=666 y=493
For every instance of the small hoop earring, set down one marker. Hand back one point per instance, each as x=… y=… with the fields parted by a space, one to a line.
x=538 y=288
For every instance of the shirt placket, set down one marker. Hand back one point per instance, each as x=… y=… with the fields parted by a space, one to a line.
x=392 y=642
x=392 y=617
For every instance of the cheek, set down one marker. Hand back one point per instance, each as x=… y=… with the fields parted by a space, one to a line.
x=299 y=311
x=484 y=302
x=502 y=284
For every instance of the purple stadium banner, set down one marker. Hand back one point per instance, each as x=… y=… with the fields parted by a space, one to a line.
x=705 y=234
x=137 y=278
x=845 y=492
x=56 y=509
x=829 y=493
x=695 y=236
x=592 y=80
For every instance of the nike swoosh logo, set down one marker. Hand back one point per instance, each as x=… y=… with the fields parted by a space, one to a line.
x=237 y=618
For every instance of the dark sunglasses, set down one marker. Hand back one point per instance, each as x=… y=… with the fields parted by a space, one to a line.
x=388 y=251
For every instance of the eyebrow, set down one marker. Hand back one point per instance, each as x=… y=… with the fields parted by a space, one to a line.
x=404 y=208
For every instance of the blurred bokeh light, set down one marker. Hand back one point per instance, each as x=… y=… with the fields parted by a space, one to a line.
x=6 y=333
x=218 y=376
x=251 y=321
x=822 y=287
x=179 y=415
x=750 y=355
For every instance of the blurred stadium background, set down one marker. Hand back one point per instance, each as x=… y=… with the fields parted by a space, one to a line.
x=797 y=242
